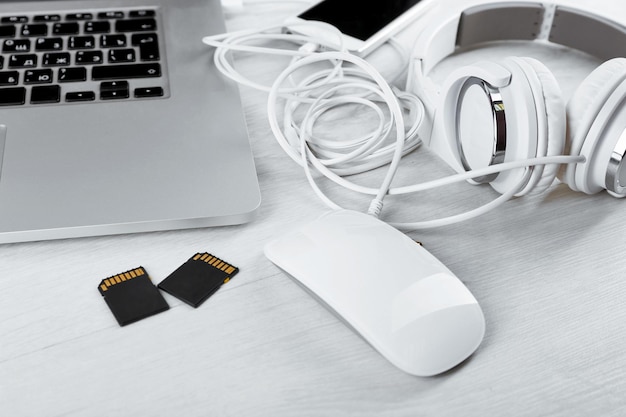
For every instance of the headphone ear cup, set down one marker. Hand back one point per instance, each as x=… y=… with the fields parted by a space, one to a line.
x=555 y=122
x=583 y=108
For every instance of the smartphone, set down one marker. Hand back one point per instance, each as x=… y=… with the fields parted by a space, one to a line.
x=365 y=24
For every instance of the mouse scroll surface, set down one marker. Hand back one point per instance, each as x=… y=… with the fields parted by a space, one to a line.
x=393 y=292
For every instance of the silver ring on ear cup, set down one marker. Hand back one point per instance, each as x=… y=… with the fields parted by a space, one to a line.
x=499 y=126
x=616 y=171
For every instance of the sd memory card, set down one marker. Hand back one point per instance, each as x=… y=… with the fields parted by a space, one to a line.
x=198 y=278
x=132 y=296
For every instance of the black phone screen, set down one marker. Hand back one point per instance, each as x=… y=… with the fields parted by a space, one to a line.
x=358 y=18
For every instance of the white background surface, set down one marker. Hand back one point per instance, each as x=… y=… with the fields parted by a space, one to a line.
x=548 y=271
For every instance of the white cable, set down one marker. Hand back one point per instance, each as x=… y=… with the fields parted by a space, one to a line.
x=239 y=41
x=450 y=179
x=291 y=134
x=397 y=117
x=488 y=170
x=447 y=221
x=350 y=81
x=369 y=150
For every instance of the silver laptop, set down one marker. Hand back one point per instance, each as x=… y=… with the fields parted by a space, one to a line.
x=113 y=119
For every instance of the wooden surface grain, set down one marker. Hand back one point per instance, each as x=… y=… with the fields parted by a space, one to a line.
x=548 y=271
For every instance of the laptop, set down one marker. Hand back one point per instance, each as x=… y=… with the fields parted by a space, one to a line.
x=114 y=119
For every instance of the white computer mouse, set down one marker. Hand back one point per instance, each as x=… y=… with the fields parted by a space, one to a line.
x=387 y=287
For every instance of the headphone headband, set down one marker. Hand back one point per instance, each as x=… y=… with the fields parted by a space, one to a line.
x=507 y=21
x=575 y=28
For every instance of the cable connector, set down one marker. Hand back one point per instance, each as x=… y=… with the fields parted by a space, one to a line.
x=376 y=206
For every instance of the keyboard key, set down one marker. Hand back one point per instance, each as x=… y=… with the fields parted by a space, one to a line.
x=16 y=45
x=89 y=57
x=47 y=18
x=35 y=30
x=56 y=59
x=149 y=52
x=7 y=31
x=122 y=55
x=69 y=28
x=82 y=42
x=141 y=13
x=148 y=92
x=148 y=46
x=14 y=19
x=100 y=26
x=110 y=72
x=9 y=77
x=135 y=25
x=144 y=38
x=80 y=96
x=49 y=44
x=79 y=16
x=113 y=95
x=113 y=85
x=23 y=61
x=112 y=41
x=12 y=96
x=111 y=15
x=38 y=76
x=72 y=74
x=45 y=94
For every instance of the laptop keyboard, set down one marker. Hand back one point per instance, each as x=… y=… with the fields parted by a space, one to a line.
x=88 y=56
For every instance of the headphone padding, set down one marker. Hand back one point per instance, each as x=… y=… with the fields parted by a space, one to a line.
x=556 y=121
x=585 y=97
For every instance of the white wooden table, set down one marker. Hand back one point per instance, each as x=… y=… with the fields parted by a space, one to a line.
x=549 y=272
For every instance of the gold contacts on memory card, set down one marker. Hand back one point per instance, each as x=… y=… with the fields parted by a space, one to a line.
x=198 y=278
x=132 y=296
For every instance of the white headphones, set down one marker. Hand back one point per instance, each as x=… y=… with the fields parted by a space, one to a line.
x=513 y=109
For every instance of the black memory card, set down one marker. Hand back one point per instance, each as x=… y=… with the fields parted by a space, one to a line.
x=198 y=278
x=132 y=296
